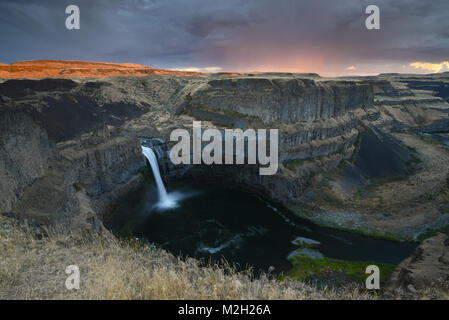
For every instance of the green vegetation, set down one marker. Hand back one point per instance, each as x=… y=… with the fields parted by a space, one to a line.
x=202 y=106
x=375 y=185
x=308 y=269
x=430 y=233
x=292 y=164
x=375 y=234
x=429 y=139
x=306 y=245
x=229 y=113
x=225 y=124
x=233 y=114
x=306 y=212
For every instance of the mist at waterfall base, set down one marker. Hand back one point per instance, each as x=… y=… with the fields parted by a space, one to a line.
x=212 y=222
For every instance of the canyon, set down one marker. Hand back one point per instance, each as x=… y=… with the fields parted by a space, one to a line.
x=352 y=153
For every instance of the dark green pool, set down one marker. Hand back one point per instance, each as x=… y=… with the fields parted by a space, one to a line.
x=220 y=222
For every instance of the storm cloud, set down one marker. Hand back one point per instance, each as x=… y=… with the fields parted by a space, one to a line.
x=324 y=36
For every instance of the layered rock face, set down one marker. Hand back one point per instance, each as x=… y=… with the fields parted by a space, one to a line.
x=84 y=178
x=317 y=119
x=69 y=183
x=24 y=154
x=409 y=101
x=286 y=100
x=312 y=140
x=47 y=177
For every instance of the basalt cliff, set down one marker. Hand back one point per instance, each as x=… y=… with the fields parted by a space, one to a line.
x=332 y=133
x=355 y=153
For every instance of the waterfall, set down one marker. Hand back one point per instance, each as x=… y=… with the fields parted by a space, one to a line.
x=165 y=201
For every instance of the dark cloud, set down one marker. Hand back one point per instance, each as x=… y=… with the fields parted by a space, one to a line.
x=315 y=35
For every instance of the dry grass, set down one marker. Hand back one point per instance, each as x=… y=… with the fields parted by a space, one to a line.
x=33 y=267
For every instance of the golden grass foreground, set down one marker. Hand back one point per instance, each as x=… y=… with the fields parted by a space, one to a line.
x=32 y=266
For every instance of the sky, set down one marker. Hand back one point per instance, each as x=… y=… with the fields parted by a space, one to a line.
x=328 y=37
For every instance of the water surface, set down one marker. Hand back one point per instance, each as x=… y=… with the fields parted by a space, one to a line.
x=215 y=222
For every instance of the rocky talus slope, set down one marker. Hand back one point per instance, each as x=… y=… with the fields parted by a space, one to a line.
x=428 y=265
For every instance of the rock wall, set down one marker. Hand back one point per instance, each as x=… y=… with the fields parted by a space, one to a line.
x=300 y=133
x=286 y=100
x=83 y=180
x=49 y=181
x=100 y=168
x=285 y=187
x=24 y=153
x=317 y=119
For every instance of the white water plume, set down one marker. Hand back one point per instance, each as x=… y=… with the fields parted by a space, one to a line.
x=166 y=201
